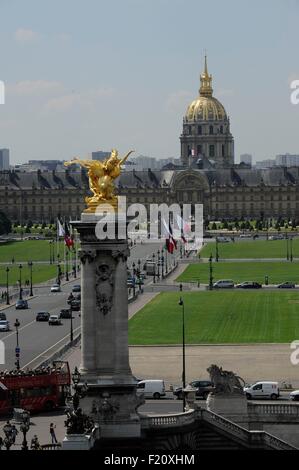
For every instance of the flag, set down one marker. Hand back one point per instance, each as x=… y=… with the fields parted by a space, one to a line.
x=171 y=243
x=193 y=153
x=60 y=229
x=68 y=238
x=183 y=226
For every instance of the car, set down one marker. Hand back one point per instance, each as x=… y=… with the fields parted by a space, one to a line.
x=56 y=288
x=54 y=320
x=75 y=305
x=65 y=313
x=224 y=284
x=77 y=297
x=130 y=282
x=203 y=388
x=224 y=239
x=294 y=395
x=42 y=316
x=4 y=325
x=249 y=285
x=245 y=235
x=151 y=388
x=2 y=316
x=76 y=288
x=21 y=304
x=286 y=285
x=262 y=390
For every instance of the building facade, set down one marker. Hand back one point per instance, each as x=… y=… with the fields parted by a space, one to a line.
x=207 y=175
x=4 y=159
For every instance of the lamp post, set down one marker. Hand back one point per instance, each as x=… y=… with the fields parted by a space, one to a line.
x=288 y=255
x=17 y=363
x=181 y=251
x=217 y=252
x=181 y=303
x=162 y=261
x=50 y=247
x=24 y=427
x=211 y=272
x=20 y=281
x=158 y=252
x=66 y=266
x=30 y=264
x=72 y=331
x=139 y=274
x=154 y=256
x=7 y=291
x=291 y=249
x=166 y=262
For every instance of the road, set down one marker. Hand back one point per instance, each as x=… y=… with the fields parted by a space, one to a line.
x=35 y=338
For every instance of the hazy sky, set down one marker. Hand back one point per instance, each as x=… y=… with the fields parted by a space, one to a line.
x=96 y=74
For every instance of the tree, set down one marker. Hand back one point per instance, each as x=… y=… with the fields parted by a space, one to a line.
x=5 y=224
x=214 y=226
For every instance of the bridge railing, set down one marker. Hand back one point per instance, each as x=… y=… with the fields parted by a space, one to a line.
x=285 y=409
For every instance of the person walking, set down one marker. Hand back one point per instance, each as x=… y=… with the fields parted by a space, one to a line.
x=52 y=433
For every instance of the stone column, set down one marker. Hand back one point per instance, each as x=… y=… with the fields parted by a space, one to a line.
x=111 y=399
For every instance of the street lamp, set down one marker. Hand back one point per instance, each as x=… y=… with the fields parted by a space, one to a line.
x=162 y=261
x=181 y=251
x=217 y=252
x=66 y=266
x=211 y=272
x=50 y=246
x=154 y=256
x=288 y=255
x=7 y=291
x=291 y=249
x=17 y=363
x=30 y=264
x=24 y=427
x=181 y=303
x=72 y=332
x=20 y=281
x=159 y=259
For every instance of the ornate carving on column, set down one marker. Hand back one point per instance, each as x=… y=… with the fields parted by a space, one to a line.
x=89 y=255
x=104 y=288
x=123 y=254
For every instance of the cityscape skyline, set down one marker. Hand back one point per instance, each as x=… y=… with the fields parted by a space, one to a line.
x=73 y=86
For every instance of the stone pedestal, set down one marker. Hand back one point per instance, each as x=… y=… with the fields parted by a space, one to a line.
x=79 y=441
x=230 y=406
x=111 y=399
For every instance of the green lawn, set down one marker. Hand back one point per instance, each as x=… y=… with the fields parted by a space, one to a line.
x=40 y=273
x=218 y=317
x=251 y=249
x=29 y=250
x=251 y=271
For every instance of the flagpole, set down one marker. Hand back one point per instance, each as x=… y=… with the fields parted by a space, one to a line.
x=64 y=255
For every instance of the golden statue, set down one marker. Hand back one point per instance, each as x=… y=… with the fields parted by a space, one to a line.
x=101 y=179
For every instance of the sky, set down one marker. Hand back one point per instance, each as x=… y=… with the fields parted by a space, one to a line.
x=95 y=74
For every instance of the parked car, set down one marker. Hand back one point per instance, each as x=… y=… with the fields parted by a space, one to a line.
x=262 y=390
x=249 y=285
x=75 y=305
x=65 y=313
x=286 y=285
x=42 y=316
x=77 y=297
x=203 y=388
x=294 y=395
x=130 y=282
x=76 y=288
x=21 y=304
x=2 y=316
x=223 y=239
x=224 y=284
x=151 y=388
x=54 y=320
x=56 y=288
x=4 y=325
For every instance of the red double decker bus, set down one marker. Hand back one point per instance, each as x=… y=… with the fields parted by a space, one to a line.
x=38 y=390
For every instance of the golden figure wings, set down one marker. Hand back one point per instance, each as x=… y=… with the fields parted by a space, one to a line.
x=101 y=179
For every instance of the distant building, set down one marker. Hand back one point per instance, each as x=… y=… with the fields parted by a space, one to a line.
x=100 y=155
x=246 y=158
x=4 y=159
x=269 y=163
x=287 y=160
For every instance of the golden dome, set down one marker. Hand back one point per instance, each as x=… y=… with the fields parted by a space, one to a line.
x=206 y=107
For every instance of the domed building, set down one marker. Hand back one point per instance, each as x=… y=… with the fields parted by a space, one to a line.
x=206 y=129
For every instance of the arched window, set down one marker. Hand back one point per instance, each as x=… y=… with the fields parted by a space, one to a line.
x=199 y=130
x=221 y=129
x=211 y=130
x=223 y=150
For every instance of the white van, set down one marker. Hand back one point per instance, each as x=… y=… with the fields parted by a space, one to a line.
x=151 y=388
x=262 y=390
x=224 y=284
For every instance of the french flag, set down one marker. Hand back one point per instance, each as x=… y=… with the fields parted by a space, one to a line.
x=171 y=243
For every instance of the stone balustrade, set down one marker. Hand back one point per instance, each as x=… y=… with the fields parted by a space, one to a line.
x=166 y=421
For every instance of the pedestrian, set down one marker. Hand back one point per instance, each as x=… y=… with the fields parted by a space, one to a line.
x=52 y=433
x=14 y=433
x=35 y=445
